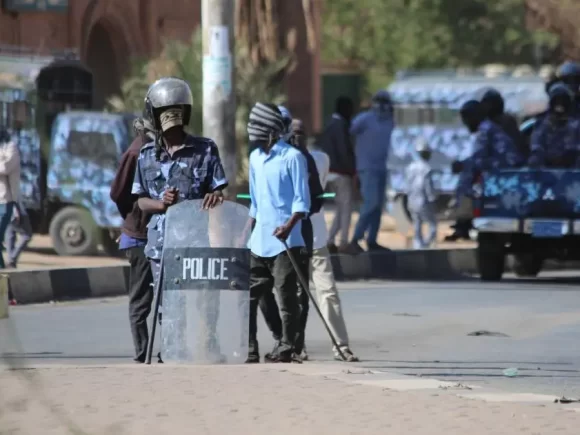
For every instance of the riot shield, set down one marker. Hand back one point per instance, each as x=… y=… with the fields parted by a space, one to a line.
x=206 y=288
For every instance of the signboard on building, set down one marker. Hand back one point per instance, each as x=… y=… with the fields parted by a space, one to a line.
x=35 y=5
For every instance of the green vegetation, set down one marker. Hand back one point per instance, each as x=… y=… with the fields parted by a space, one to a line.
x=381 y=37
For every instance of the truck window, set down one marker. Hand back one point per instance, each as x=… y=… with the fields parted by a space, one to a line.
x=96 y=147
x=447 y=117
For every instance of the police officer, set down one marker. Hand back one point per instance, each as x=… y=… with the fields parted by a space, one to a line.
x=556 y=136
x=494 y=106
x=569 y=74
x=493 y=148
x=175 y=166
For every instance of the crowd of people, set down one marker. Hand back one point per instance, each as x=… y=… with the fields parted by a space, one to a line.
x=165 y=165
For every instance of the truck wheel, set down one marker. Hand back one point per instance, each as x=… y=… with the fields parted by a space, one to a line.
x=490 y=257
x=74 y=232
x=527 y=265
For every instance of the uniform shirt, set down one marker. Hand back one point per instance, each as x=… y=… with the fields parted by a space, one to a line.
x=553 y=144
x=278 y=189
x=493 y=149
x=319 y=229
x=420 y=189
x=195 y=169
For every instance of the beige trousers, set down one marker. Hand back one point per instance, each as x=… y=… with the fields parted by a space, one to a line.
x=327 y=295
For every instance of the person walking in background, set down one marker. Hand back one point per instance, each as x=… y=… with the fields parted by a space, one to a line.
x=372 y=131
x=321 y=273
x=9 y=183
x=421 y=195
x=18 y=234
x=134 y=238
x=336 y=142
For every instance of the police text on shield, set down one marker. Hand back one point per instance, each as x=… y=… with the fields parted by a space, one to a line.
x=214 y=269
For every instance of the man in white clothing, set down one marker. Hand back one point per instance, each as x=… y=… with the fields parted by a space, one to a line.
x=321 y=270
x=9 y=183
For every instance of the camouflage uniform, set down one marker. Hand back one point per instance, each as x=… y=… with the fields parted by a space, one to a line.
x=195 y=170
x=555 y=145
x=493 y=150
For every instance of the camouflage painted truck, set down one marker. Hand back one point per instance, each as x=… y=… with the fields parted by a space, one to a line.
x=427 y=105
x=69 y=155
x=533 y=215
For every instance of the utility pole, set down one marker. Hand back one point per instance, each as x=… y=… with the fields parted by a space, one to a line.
x=219 y=96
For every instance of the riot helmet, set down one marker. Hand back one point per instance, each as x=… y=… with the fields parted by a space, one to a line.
x=472 y=114
x=165 y=93
x=561 y=101
x=493 y=103
x=569 y=73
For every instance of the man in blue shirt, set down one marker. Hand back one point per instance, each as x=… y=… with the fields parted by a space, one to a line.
x=372 y=131
x=280 y=201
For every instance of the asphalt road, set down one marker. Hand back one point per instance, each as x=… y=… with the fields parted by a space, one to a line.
x=413 y=328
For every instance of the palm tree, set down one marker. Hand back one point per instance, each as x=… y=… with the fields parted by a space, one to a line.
x=255 y=81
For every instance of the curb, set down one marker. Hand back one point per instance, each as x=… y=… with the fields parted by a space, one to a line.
x=41 y=286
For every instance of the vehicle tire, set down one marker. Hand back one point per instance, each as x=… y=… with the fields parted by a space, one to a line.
x=527 y=265
x=490 y=257
x=74 y=232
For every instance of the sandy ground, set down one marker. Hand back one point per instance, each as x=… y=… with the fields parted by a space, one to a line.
x=261 y=399
x=40 y=254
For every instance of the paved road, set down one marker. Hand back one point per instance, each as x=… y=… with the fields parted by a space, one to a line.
x=411 y=328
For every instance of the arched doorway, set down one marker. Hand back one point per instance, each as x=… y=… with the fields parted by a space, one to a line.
x=103 y=60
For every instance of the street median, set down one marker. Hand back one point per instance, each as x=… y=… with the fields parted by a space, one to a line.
x=64 y=284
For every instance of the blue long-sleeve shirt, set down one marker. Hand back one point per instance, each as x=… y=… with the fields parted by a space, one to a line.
x=278 y=189
x=372 y=131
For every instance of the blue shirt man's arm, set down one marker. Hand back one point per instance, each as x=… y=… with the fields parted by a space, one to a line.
x=299 y=174
x=253 y=204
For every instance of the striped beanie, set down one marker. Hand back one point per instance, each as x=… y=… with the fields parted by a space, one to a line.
x=265 y=121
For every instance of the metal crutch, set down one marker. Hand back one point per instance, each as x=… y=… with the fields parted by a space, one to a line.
x=304 y=283
x=158 y=289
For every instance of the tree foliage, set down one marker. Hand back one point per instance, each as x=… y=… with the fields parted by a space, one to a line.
x=382 y=37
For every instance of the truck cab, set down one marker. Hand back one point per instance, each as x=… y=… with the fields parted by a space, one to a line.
x=85 y=151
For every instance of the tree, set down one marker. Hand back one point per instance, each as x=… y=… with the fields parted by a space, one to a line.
x=254 y=82
x=383 y=37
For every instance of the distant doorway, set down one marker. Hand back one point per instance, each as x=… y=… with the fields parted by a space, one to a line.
x=103 y=61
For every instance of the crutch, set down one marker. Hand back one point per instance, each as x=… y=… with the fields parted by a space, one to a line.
x=304 y=283
x=158 y=289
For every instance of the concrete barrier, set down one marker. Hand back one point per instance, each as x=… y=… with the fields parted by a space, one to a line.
x=41 y=286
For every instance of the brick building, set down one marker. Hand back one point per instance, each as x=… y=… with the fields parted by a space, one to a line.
x=108 y=33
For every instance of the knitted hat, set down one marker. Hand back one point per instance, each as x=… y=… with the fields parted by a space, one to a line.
x=265 y=121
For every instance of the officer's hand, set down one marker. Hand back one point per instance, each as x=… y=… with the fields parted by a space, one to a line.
x=170 y=196
x=211 y=200
x=282 y=232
